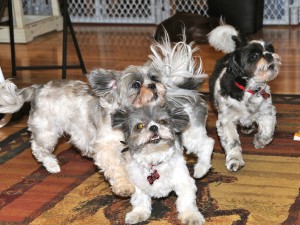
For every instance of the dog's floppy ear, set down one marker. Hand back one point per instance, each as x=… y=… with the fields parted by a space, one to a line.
x=234 y=65
x=103 y=81
x=237 y=40
x=179 y=118
x=119 y=119
x=269 y=47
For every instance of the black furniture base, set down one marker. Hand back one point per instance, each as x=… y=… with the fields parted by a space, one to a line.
x=246 y=16
x=66 y=24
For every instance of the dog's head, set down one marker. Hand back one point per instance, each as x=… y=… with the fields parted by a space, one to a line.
x=171 y=67
x=255 y=60
x=150 y=130
x=135 y=86
x=140 y=86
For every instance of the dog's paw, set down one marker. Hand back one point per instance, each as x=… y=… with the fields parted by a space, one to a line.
x=51 y=165
x=234 y=164
x=259 y=142
x=201 y=170
x=136 y=216
x=123 y=189
x=191 y=218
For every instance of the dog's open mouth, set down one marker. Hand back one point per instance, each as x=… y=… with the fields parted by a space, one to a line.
x=155 y=139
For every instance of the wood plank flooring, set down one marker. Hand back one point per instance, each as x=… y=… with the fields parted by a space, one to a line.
x=116 y=47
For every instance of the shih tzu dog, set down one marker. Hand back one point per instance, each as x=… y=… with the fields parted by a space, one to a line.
x=182 y=76
x=155 y=161
x=72 y=107
x=174 y=74
x=240 y=93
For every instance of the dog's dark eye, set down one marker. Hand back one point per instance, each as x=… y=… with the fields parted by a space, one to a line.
x=254 y=57
x=140 y=126
x=163 y=122
x=136 y=84
x=270 y=48
x=154 y=78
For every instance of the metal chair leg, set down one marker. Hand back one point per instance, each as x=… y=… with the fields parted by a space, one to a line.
x=76 y=45
x=65 y=33
x=66 y=23
x=12 y=38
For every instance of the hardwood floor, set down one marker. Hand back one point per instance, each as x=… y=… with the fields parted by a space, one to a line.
x=116 y=47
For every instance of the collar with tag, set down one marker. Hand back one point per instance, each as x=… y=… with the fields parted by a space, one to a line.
x=154 y=175
x=261 y=91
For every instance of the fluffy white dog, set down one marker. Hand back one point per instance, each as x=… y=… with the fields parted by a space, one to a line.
x=173 y=67
x=71 y=107
x=83 y=112
x=182 y=76
x=155 y=163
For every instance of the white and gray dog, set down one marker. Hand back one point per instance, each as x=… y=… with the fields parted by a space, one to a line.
x=74 y=108
x=71 y=107
x=182 y=76
x=238 y=87
x=173 y=72
x=155 y=161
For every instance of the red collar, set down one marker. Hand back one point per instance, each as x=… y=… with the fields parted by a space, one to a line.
x=243 y=88
x=261 y=91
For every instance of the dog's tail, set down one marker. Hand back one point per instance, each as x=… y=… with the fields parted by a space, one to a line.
x=12 y=98
x=177 y=63
x=225 y=38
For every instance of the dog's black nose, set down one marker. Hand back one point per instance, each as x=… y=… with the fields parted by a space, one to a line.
x=153 y=128
x=152 y=86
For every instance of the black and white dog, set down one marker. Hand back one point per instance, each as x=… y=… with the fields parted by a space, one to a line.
x=239 y=90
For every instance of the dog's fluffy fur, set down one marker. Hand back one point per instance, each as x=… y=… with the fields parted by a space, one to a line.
x=154 y=149
x=239 y=90
x=182 y=76
x=59 y=107
x=174 y=68
x=72 y=107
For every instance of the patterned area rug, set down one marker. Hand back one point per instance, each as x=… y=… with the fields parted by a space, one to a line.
x=265 y=191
